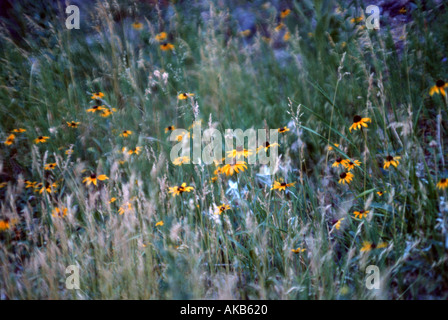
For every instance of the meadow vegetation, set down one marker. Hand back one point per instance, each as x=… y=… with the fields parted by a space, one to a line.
x=86 y=177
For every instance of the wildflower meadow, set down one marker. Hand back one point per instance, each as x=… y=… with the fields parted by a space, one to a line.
x=347 y=170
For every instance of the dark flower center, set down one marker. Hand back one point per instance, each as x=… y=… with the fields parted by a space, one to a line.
x=170 y=128
x=361 y=211
x=373 y=246
x=93 y=176
x=357 y=119
x=350 y=163
x=440 y=83
x=222 y=208
x=443 y=180
x=343 y=175
x=389 y=158
x=283 y=184
x=40 y=138
x=266 y=144
x=338 y=160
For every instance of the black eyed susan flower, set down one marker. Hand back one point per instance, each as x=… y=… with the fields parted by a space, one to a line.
x=222 y=208
x=37 y=186
x=93 y=178
x=73 y=124
x=359 y=122
x=162 y=36
x=181 y=160
x=338 y=162
x=97 y=95
x=112 y=200
x=213 y=179
x=391 y=161
x=170 y=128
x=439 y=88
x=41 y=139
x=3 y=184
x=7 y=224
x=96 y=108
x=367 y=246
x=284 y=13
x=125 y=208
x=245 y=33
x=338 y=223
x=159 y=224
x=361 y=214
x=355 y=20
x=30 y=184
x=136 y=150
x=442 y=184
x=178 y=190
x=50 y=166
x=346 y=177
x=182 y=136
x=234 y=167
x=281 y=185
x=48 y=187
x=279 y=27
x=266 y=146
x=380 y=193
x=59 y=212
x=184 y=96
x=298 y=250
x=107 y=112
x=137 y=25
x=19 y=130
x=283 y=129
x=10 y=140
x=217 y=171
x=402 y=10
x=125 y=133
x=287 y=36
x=334 y=144
x=166 y=46
x=350 y=165
x=239 y=152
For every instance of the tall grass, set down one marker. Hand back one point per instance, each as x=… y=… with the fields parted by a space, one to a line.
x=315 y=83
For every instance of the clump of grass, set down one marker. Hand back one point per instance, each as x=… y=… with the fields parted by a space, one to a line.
x=356 y=102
